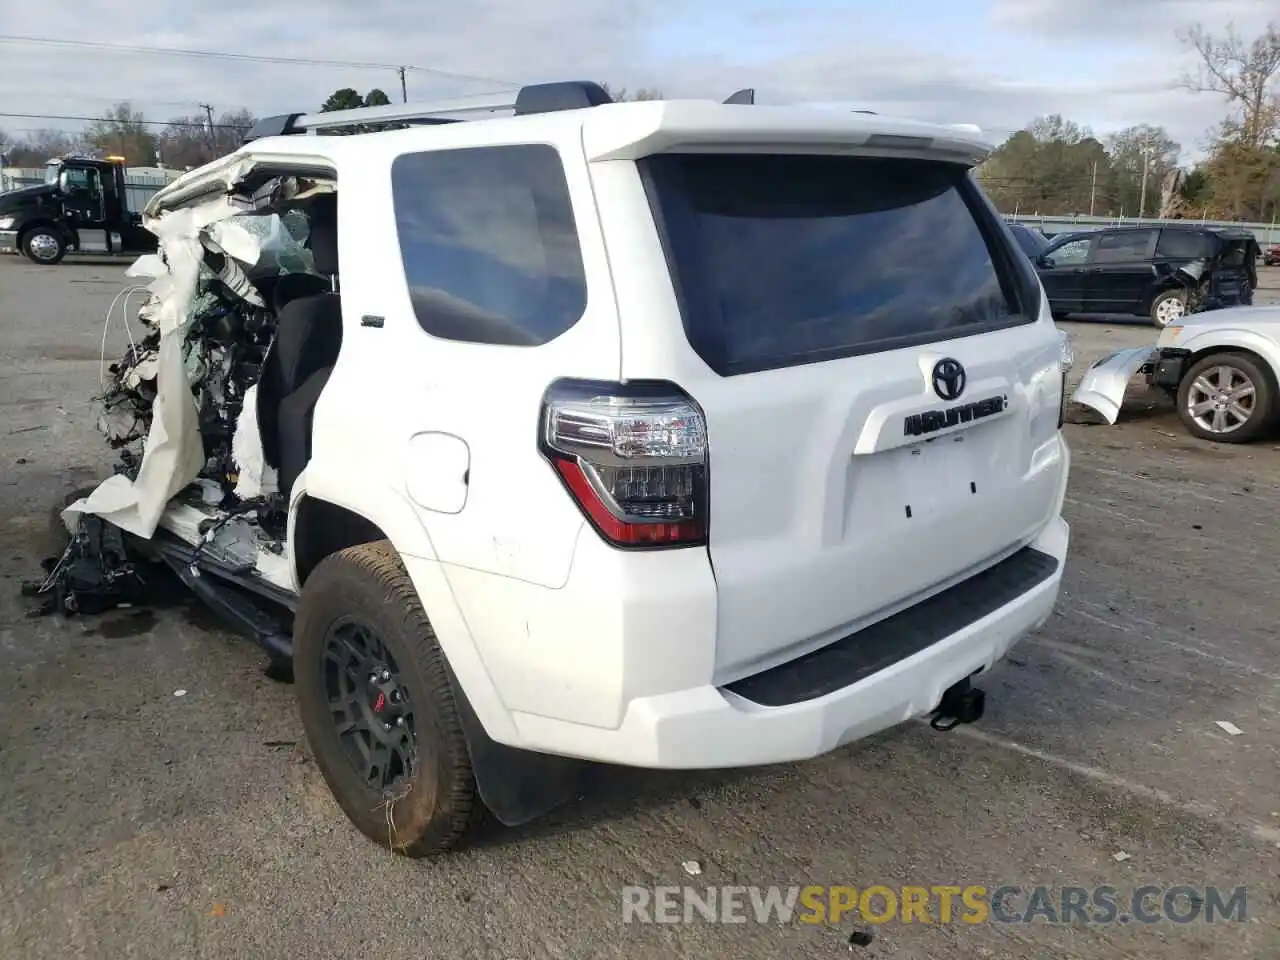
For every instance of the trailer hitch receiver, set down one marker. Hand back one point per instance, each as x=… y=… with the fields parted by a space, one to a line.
x=961 y=703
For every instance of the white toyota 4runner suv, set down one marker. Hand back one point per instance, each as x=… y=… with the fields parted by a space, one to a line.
x=671 y=434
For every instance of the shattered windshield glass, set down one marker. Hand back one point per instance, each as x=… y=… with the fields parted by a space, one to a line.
x=283 y=239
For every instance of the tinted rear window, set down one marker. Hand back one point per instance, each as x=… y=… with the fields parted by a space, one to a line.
x=779 y=260
x=489 y=244
x=1185 y=244
x=1032 y=243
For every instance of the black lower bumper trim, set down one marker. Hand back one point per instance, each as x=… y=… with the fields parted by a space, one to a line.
x=895 y=638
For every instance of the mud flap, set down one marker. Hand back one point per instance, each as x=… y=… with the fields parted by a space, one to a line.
x=516 y=785
x=1103 y=385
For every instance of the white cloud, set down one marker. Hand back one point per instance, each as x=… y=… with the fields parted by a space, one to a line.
x=1133 y=23
x=1000 y=78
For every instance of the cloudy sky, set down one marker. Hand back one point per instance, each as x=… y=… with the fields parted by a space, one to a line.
x=999 y=63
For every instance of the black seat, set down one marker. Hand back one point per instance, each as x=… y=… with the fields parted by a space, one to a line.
x=291 y=286
x=308 y=338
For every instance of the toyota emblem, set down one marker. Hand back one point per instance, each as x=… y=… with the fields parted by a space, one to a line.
x=948 y=379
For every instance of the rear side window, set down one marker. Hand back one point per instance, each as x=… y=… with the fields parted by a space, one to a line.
x=488 y=243
x=1184 y=245
x=786 y=259
x=1123 y=247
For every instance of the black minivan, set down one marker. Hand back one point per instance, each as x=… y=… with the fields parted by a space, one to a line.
x=1160 y=272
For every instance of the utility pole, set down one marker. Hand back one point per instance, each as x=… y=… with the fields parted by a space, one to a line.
x=1146 y=166
x=404 y=90
x=1093 y=190
x=208 y=112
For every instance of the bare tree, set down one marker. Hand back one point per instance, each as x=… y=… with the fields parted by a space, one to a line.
x=36 y=148
x=644 y=93
x=1243 y=72
x=1142 y=153
x=123 y=132
x=190 y=141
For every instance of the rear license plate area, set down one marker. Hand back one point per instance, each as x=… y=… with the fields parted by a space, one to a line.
x=936 y=475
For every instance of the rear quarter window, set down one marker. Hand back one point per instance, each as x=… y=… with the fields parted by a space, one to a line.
x=488 y=243
x=786 y=259
x=1184 y=245
x=1126 y=247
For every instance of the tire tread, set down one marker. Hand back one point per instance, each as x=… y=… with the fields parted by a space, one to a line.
x=378 y=566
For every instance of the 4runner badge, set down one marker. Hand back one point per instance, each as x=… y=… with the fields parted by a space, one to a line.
x=919 y=424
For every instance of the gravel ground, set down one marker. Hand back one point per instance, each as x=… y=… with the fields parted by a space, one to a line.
x=134 y=823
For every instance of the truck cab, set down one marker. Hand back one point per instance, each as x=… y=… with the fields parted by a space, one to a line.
x=82 y=206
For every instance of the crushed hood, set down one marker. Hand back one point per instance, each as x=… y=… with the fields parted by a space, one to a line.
x=1265 y=315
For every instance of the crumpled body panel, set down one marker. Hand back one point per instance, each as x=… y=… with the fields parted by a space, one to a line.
x=169 y=388
x=1103 y=385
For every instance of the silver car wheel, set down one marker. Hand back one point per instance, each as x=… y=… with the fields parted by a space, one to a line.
x=1221 y=399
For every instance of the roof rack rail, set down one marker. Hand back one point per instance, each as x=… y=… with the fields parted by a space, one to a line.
x=535 y=98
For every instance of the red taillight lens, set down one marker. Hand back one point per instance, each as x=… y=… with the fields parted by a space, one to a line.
x=633 y=457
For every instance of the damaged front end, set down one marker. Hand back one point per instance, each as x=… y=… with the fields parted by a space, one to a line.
x=180 y=406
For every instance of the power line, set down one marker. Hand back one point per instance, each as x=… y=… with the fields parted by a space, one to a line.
x=142 y=123
x=146 y=101
x=242 y=57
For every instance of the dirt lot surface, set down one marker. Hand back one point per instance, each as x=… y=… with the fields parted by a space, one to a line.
x=138 y=823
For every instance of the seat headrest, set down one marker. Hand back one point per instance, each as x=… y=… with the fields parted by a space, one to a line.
x=324 y=233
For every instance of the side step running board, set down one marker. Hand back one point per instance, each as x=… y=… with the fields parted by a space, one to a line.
x=237 y=608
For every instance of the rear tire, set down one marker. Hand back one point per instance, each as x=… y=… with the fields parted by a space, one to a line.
x=1250 y=390
x=1168 y=307
x=44 y=245
x=378 y=706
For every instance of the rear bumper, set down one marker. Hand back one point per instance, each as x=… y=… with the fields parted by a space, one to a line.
x=8 y=241
x=707 y=727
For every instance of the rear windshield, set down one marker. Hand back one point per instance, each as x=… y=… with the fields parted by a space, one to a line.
x=787 y=259
x=1033 y=244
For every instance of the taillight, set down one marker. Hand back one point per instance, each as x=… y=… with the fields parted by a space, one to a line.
x=634 y=458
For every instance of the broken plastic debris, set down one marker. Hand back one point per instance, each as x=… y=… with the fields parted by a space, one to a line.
x=210 y=492
x=179 y=693
x=1229 y=727
x=1120 y=857
x=692 y=867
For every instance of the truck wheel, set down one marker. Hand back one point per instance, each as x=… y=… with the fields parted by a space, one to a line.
x=44 y=245
x=377 y=704
x=1169 y=307
x=1227 y=398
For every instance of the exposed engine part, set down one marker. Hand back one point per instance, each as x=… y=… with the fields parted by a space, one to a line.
x=93 y=575
x=230 y=274
x=226 y=343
